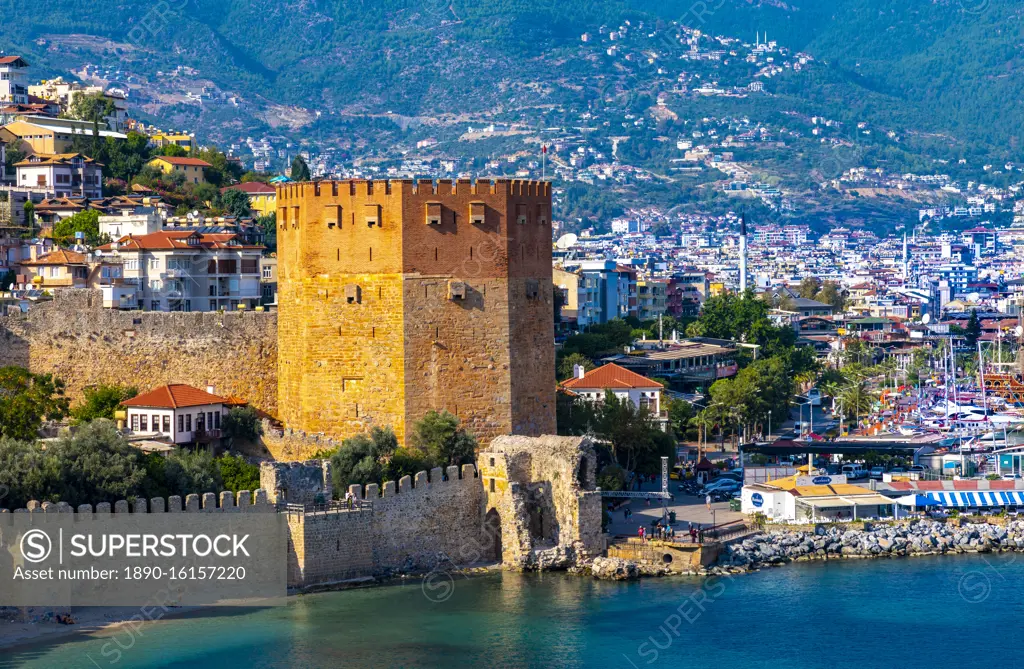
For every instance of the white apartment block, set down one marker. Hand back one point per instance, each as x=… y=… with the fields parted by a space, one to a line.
x=187 y=271
x=64 y=175
x=13 y=80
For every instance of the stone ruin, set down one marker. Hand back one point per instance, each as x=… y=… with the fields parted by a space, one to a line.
x=541 y=502
x=306 y=483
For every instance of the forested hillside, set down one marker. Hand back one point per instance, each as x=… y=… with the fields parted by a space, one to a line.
x=944 y=66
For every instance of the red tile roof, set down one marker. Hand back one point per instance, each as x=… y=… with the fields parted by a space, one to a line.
x=174 y=396
x=611 y=376
x=11 y=60
x=168 y=240
x=58 y=257
x=252 y=188
x=191 y=162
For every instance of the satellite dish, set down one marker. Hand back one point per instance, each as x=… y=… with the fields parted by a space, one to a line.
x=566 y=241
x=926 y=319
x=1018 y=331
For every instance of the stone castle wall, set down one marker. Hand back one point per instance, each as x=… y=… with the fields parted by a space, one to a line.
x=413 y=524
x=78 y=340
x=245 y=501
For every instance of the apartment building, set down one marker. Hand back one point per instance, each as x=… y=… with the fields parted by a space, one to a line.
x=13 y=80
x=193 y=169
x=188 y=270
x=64 y=175
x=47 y=135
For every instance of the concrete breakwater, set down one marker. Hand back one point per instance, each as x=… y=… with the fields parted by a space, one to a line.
x=874 y=541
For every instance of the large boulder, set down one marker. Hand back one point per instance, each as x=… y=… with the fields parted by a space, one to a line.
x=614 y=569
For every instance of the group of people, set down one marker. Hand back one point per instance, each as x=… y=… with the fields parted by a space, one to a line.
x=665 y=532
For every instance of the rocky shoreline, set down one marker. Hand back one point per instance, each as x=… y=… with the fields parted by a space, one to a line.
x=837 y=542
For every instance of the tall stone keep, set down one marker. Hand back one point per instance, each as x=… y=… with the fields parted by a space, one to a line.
x=398 y=297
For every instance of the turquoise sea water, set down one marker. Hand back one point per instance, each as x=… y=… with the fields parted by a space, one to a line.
x=953 y=611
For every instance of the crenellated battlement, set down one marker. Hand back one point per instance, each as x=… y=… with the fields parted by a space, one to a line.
x=364 y=188
x=246 y=501
x=421 y=483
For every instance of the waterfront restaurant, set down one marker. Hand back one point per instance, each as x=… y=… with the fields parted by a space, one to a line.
x=816 y=498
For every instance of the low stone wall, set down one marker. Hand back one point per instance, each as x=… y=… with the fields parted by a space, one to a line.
x=290 y=445
x=665 y=556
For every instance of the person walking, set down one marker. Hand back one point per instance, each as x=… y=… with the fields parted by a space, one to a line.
x=693 y=535
x=707 y=501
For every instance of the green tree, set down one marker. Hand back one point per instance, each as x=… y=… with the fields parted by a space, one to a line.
x=221 y=171
x=95 y=464
x=856 y=399
x=187 y=472
x=242 y=423
x=237 y=473
x=574 y=416
x=236 y=203
x=172 y=151
x=445 y=443
x=300 y=170
x=680 y=413
x=568 y=362
x=26 y=474
x=29 y=209
x=268 y=224
x=611 y=477
x=87 y=222
x=101 y=401
x=373 y=458
x=972 y=333
x=831 y=293
x=627 y=428
x=809 y=287
x=92 y=107
x=25 y=399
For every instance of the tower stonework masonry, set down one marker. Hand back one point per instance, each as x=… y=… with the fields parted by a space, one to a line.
x=399 y=297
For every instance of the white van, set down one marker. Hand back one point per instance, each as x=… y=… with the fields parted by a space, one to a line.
x=855 y=471
x=814 y=397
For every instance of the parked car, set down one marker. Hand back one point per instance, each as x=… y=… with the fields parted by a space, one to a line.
x=1011 y=477
x=722 y=486
x=918 y=468
x=876 y=473
x=897 y=470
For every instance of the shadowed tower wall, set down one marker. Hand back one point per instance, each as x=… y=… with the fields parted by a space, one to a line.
x=397 y=298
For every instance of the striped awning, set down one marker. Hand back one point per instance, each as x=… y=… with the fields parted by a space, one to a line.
x=977 y=498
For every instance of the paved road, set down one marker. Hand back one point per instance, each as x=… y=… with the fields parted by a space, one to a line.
x=687 y=508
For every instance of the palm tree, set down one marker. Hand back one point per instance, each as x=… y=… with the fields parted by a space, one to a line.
x=831 y=390
x=806 y=379
x=704 y=421
x=856 y=399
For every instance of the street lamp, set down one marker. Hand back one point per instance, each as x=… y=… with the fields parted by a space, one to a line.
x=769 y=424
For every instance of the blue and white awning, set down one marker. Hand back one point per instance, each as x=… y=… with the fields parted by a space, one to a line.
x=977 y=498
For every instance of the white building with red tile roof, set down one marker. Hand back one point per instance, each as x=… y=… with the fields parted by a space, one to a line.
x=622 y=383
x=178 y=413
